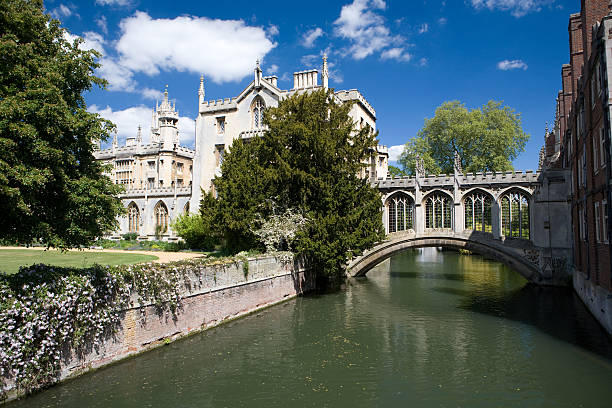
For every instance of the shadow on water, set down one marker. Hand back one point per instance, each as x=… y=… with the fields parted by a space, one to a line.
x=422 y=275
x=556 y=311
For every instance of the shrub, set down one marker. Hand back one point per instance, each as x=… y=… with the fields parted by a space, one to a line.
x=196 y=231
x=130 y=236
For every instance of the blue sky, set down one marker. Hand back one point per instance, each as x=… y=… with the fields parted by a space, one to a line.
x=406 y=57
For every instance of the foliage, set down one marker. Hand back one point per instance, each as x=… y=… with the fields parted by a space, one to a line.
x=160 y=230
x=198 y=230
x=130 y=236
x=47 y=313
x=487 y=139
x=308 y=161
x=277 y=233
x=51 y=187
x=397 y=172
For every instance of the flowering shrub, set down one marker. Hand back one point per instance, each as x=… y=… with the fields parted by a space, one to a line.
x=278 y=231
x=47 y=313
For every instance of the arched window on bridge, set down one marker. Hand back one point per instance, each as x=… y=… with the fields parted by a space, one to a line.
x=133 y=218
x=477 y=207
x=438 y=211
x=515 y=215
x=400 y=213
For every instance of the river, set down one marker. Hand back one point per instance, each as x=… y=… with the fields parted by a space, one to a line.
x=424 y=329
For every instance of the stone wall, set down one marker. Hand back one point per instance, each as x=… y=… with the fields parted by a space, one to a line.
x=216 y=294
x=596 y=298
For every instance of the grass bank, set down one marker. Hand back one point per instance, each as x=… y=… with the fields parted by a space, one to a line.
x=12 y=259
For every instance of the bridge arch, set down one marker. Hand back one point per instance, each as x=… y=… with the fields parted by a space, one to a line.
x=509 y=256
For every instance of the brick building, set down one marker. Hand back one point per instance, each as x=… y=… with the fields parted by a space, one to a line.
x=581 y=142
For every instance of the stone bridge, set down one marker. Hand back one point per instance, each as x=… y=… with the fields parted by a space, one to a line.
x=519 y=218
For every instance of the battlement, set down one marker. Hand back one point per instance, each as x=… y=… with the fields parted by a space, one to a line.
x=219 y=104
x=528 y=176
x=355 y=95
x=154 y=192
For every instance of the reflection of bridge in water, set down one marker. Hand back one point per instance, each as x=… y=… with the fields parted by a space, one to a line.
x=518 y=218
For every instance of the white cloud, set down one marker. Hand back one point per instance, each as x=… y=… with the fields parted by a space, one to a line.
x=395 y=152
x=273 y=30
x=273 y=69
x=128 y=120
x=61 y=11
x=397 y=53
x=103 y=24
x=114 y=2
x=224 y=50
x=507 y=65
x=149 y=93
x=442 y=21
x=309 y=38
x=517 y=8
x=423 y=28
x=365 y=28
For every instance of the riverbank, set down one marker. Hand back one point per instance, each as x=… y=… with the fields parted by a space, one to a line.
x=210 y=294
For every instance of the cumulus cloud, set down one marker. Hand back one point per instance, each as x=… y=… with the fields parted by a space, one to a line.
x=395 y=152
x=273 y=69
x=364 y=27
x=273 y=30
x=517 y=8
x=309 y=38
x=62 y=11
x=397 y=53
x=507 y=65
x=114 y=2
x=224 y=50
x=128 y=120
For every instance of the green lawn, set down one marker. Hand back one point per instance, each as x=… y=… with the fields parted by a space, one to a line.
x=12 y=259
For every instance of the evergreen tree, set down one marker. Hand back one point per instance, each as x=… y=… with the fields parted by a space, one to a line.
x=309 y=160
x=51 y=187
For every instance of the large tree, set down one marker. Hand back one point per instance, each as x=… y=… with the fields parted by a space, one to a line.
x=486 y=139
x=51 y=188
x=308 y=161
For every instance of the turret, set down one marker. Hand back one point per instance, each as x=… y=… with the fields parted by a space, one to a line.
x=167 y=118
x=325 y=73
x=258 y=73
x=201 y=93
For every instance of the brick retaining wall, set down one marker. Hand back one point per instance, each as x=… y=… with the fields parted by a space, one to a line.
x=217 y=293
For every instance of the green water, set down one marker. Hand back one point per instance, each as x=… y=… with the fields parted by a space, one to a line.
x=425 y=329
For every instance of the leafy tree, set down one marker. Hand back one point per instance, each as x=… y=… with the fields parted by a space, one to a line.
x=396 y=172
x=487 y=139
x=199 y=230
x=307 y=161
x=51 y=187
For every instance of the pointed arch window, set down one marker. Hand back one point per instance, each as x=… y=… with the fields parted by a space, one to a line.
x=515 y=215
x=400 y=213
x=438 y=211
x=133 y=218
x=161 y=217
x=477 y=206
x=257 y=109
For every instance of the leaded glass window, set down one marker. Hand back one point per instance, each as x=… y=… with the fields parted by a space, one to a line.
x=438 y=211
x=478 y=212
x=161 y=217
x=133 y=218
x=515 y=215
x=400 y=211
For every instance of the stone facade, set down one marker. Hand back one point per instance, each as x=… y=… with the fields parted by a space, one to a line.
x=157 y=176
x=222 y=121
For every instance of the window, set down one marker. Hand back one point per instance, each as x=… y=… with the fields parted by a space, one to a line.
x=151 y=165
x=478 y=212
x=582 y=222
x=179 y=167
x=597 y=223
x=257 y=109
x=604 y=228
x=151 y=183
x=602 y=148
x=221 y=124
x=595 y=152
x=133 y=218
x=515 y=215
x=400 y=213
x=219 y=152
x=179 y=182
x=161 y=218
x=438 y=211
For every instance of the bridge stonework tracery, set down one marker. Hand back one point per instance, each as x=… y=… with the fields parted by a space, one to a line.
x=518 y=218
